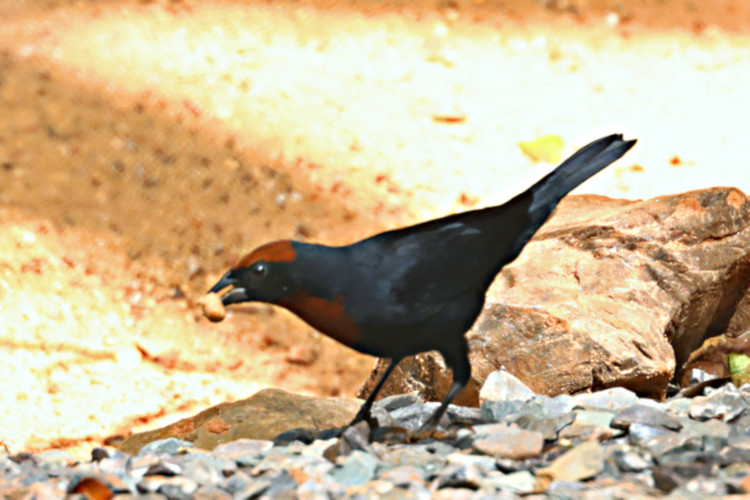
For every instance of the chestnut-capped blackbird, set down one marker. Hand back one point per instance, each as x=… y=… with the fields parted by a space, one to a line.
x=412 y=289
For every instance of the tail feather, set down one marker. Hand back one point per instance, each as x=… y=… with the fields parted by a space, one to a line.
x=547 y=193
x=586 y=162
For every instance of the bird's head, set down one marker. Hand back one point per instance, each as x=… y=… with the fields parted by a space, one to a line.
x=263 y=275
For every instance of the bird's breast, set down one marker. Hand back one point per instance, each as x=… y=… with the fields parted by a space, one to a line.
x=328 y=316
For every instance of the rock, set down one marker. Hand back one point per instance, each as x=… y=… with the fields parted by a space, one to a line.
x=499 y=411
x=262 y=416
x=502 y=441
x=417 y=455
x=459 y=476
x=521 y=482
x=557 y=406
x=589 y=424
x=726 y=403
x=739 y=432
x=608 y=293
x=501 y=385
x=640 y=414
x=631 y=459
x=397 y=401
x=404 y=475
x=613 y=399
x=165 y=446
x=483 y=463
x=584 y=461
x=545 y=426
x=356 y=469
x=246 y=452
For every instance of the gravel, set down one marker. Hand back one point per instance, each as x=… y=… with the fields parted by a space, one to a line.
x=610 y=444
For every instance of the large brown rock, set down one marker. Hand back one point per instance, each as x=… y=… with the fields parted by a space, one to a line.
x=261 y=416
x=608 y=293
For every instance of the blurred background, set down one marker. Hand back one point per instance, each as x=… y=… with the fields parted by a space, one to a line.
x=146 y=145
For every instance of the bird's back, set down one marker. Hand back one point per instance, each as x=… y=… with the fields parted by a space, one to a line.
x=415 y=271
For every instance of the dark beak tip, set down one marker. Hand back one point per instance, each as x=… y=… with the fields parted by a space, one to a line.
x=224 y=282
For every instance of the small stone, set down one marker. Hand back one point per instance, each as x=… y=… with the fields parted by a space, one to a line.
x=500 y=440
x=459 y=476
x=502 y=411
x=202 y=467
x=240 y=485
x=403 y=475
x=318 y=447
x=640 y=414
x=356 y=469
x=713 y=427
x=590 y=424
x=418 y=455
x=501 y=385
x=732 y=455
x=679 y=405
x=713 y=444
x=631 y=459
x=520 y=482
x=177 y=487
x=565 y=490
x=739 y=432
x=164 y=469
x=546 y=426
x=53 y=462
x=94 y=486
x=208 y=492
x=413 y=417
x=613 y=399
x=168 y=446
x=640 y=433
x=597 y=418
x=246 y=452
x=397 y=401
x=559 y=405
x=449 y=493
x=706 y=487
x=465 y=415
x=666 y=479
x=483 y=463
x=282 y=484
x=582 y=462
x=726 y=403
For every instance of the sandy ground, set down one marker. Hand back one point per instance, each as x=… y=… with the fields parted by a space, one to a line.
x=144 y=146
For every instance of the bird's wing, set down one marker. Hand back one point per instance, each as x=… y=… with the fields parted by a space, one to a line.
x=416 y=271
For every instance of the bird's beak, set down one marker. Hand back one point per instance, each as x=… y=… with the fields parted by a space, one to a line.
x=232 y=296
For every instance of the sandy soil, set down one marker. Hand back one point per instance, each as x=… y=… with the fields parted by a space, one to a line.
x=144 y=146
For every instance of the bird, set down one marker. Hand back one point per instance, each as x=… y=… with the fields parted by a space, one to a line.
x=413 y=289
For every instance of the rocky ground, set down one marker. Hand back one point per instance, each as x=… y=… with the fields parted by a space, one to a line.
x=517 y=444
x=145 y=145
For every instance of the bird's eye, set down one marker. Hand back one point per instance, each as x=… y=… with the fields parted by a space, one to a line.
x=259 y=269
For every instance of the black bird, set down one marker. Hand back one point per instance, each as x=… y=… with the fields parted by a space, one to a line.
x=413 y=289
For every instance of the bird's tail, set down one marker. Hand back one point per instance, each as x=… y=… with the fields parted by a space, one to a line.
x=583 y=164
x=547 y=193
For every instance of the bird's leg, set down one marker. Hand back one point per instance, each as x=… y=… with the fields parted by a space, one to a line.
x=364 y=411
x=458 y=360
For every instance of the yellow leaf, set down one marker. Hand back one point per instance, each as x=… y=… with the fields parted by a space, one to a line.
x=547 y=149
